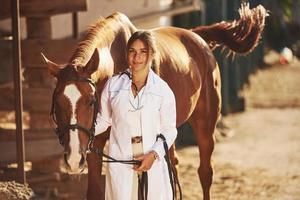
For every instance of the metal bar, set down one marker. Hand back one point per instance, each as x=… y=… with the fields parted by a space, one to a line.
x=203 y=12
x=15 y=10
x=224 y=10
x=75 y=25
x=173 y=10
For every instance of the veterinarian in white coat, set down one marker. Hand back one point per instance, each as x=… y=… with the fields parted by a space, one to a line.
x=138 y=104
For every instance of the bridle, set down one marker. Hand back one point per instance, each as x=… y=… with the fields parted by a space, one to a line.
x=90 y=132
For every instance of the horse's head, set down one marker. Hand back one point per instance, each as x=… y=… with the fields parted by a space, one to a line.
x=74 y=109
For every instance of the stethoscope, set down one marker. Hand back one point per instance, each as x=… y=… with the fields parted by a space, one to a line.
x=139 y=106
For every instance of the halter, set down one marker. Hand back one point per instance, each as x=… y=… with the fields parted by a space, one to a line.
x=90 y=132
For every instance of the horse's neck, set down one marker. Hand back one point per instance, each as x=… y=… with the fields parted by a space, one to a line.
x=110 y=39
x=113 y=53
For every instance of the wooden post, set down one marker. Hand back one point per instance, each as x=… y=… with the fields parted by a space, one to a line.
x=75 y=25
x=18 y=90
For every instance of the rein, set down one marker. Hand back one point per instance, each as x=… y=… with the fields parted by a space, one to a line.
x=143 y=181
x=111 y=159
x=171 y=169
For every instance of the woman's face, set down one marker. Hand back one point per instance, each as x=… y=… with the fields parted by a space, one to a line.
x=138 y=55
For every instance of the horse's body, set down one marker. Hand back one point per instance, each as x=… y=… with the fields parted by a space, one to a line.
x=184 y=61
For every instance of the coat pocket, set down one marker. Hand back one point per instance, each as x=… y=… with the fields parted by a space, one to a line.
x=154 y=102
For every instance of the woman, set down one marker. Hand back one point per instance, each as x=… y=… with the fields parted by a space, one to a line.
x=138 y=105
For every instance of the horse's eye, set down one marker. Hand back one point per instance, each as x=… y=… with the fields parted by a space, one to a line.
x=92 y=102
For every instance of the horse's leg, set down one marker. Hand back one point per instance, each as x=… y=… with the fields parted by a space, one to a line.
x=94 y=191
x=203 y=121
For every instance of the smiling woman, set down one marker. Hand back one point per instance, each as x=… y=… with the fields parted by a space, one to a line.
x=138 y=56
x=141 y=109
x=141 y=50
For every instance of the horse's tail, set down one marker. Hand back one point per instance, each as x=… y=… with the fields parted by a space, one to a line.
x=239 y=36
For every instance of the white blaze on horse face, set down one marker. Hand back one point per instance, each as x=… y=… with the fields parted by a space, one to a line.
x=73 y=94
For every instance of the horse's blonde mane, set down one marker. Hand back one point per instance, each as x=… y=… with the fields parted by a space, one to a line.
x=101 y=33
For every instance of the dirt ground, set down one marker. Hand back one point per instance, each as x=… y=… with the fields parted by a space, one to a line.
x=260 y=161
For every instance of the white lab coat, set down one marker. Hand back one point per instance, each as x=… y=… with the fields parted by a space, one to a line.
x=158 y=115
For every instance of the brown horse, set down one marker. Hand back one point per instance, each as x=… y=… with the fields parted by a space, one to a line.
x=185 y=61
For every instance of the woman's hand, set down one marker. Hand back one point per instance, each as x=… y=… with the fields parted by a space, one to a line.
x=146 y=161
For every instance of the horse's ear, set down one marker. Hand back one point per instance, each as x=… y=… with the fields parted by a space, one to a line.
x=93 y=63
x=53 y=68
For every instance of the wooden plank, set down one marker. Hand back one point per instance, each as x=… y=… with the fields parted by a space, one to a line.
x=58 y=51
x=38 y=77
x=38 y=27
x=8 y=135
x=40 y=120
x=35 y=99
x=40 y=8
x=36 y=150
x=6 y=64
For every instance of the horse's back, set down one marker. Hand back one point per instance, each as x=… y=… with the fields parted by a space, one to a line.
x=184 y=59
x=184 y=51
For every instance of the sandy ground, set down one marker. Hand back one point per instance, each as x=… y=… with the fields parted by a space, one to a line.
x=261 y=161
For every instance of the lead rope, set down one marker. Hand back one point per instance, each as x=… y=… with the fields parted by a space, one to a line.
x=172 y=174
x=111 y=159
x=143 y=186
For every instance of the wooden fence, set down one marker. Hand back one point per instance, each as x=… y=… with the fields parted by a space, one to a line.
x=40 y=141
